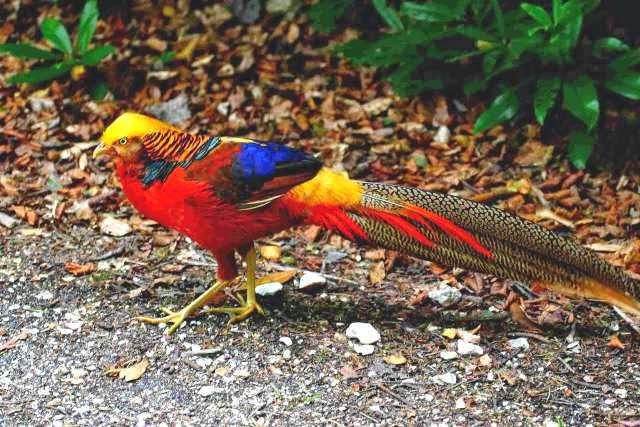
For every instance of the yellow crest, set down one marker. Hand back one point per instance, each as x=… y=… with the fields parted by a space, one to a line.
x=131 y=125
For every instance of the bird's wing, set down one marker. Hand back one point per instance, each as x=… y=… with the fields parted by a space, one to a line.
x=265 y=171
x=247 y=173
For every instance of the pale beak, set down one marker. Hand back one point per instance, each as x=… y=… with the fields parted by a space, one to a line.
x=101 y=149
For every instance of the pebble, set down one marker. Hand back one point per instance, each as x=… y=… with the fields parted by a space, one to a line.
x=286 y=341
x=550 y=423
x=114 y=227
x=311 y=281
x=363 y=332
x=175 y=111
x=286 y=354
x=207 y=390
x=469 y=349
x=269 y=289
x=443 y=135
x=45 y=295
x=522 y=343
x=364 y=349
x=7 y=221
x=621 y=393
x=445 y=295
x=448 y=355
x=448 y=378
x=574 y=347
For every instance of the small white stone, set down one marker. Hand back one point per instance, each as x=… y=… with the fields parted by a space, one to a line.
x=114 y=227
x=549 y=423
x=621 y=393
x=522 y=343
x=469 y=349
x=443 y=135
x=286 y=341
x=311 y=281
x=7 y=221
x=363 y=332
x=364 y=349
x=448 y=378
x=445 y=295
x=45 y=295
x=269 y=289
x=207 y=390
x=448 y=355
x=286 y=354
x=574 y=347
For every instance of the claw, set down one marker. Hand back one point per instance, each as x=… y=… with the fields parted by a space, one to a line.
x=175 y=318
x=237 y=314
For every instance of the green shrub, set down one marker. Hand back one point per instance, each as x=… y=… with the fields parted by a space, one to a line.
x=64 y=57
x=525 y=54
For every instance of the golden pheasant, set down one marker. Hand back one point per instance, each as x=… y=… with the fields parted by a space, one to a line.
x=225 y=192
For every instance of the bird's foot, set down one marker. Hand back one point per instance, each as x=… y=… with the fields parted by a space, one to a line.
x=174 y=317
x=237 y=314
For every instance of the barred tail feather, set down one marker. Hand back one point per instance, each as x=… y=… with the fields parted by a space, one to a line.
x=458 y=232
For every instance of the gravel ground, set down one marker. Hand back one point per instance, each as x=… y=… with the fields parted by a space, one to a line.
x=71 y=330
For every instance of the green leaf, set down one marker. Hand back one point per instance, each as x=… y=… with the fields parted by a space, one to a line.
x=581 y=100
x=57 y=34
x=27 y=51
x=324 y=14
x=538 y=14
x=609 y=44
x=580 y=148
x=474 y=86
x=556 y=10
x=40 y=75
x=490 y=60
x=87 y=26
x=97 y=54
x=625 y=83
x=503 y=108
x=436 y=11
x=497 y=10
x=167 y=56
x=388 y=14
x=545 y=96
x=99 y=91
x=626 y=60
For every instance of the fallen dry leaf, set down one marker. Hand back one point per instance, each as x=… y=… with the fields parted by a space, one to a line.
x=614 y=342
x=450 y=333
x=278 y=276
x=12 y=342
x=520 y=317
x=271 y=252
x=79 y=269
x=546 y=213
x=130 y=373
x=395 y=359
x=377 y=273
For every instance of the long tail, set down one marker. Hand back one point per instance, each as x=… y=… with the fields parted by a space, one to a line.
x=457 y=232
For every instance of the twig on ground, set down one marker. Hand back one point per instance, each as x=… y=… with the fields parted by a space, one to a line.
x=529 y=335
x=632 y=323
x=394 y=394
x=120 y=250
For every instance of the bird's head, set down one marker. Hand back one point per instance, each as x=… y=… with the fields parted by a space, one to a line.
x=122 y=139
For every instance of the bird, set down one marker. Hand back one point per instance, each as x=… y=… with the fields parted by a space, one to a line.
x=226 y=192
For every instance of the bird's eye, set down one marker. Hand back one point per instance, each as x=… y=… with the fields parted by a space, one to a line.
x=123 y=140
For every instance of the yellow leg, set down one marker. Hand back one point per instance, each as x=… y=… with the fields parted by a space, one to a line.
x=176 y=318
x=251 y=304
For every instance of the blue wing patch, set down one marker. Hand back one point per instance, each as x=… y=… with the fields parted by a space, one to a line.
x=259 y=162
